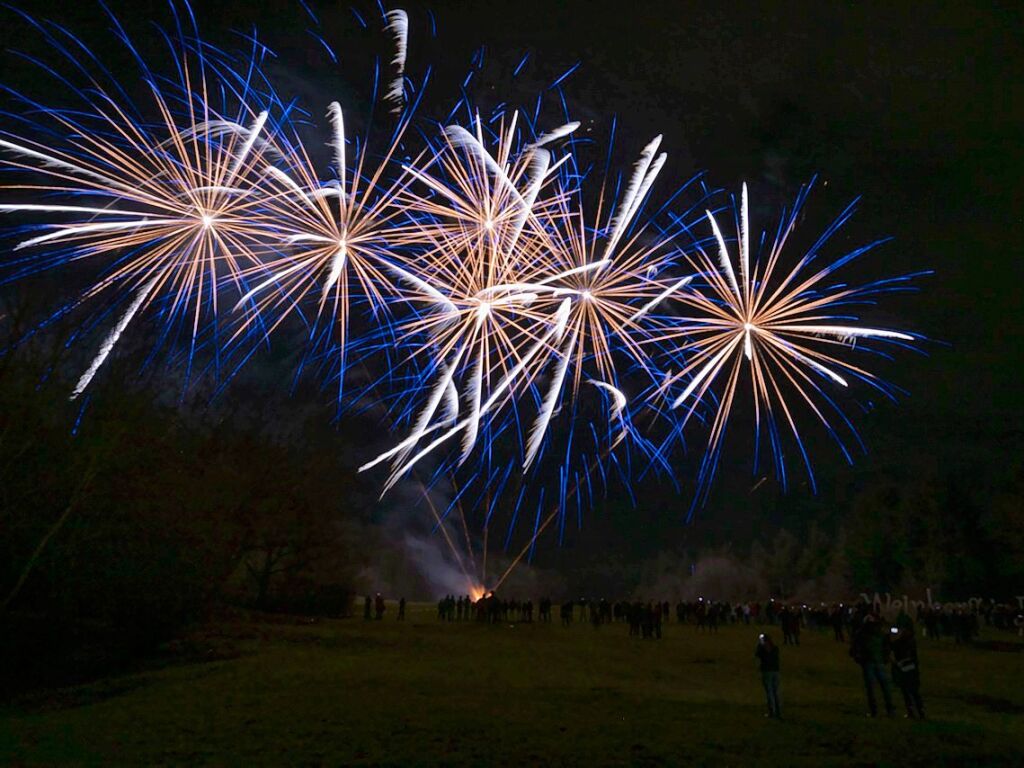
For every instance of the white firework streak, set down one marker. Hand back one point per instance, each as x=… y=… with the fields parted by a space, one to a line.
x=632 y=196
x=618 y=407
x=451 y=397
x=49 y=161
x=296 y=267
x=337 y=265
x=460 y=137
x=108 y=343
x=723 y=256
x=540 y=425
x=660 y=298
x=555 y=135
x=288 y=181
x=844 y=332
x=745 y=244
x=250 y=142
x=473 y=427
x=398 y=26
x=618 y=398
x=85 y=229
x=707 y=372
x=506 y=383
x=427 y=288
x=337 y=119
x=538 y=169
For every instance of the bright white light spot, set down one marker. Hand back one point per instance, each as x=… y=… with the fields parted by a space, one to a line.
x=207 y=220
x=489 y=224
x=587 y=295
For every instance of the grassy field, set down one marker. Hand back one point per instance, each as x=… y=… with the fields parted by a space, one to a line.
x=425 y=693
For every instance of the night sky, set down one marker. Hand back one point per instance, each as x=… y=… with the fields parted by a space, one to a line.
x=916 y=109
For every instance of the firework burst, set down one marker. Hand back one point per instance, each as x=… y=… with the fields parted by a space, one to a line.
x=336 y=241
x=166 y=208
x=790 y=328
x=614 y=277
x=483 y=268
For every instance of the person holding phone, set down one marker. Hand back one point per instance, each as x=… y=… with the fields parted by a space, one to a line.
x=767 y=654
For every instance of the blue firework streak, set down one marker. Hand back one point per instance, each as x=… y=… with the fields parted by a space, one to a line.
x=159 y=201
x=792 y=331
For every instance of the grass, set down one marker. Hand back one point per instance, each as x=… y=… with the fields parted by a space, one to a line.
x=424 y=693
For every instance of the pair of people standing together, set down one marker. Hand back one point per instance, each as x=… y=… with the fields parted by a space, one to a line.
x=871 y=649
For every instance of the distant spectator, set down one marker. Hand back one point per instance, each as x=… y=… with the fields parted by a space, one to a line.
x=401 y=609
x=905 y=669
x=837 y=620
x=767 y=654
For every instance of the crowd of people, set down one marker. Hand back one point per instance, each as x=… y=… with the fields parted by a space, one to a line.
x=960 y=621
x=885 y=651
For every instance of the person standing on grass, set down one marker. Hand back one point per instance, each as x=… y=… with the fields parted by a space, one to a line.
x=905 y=669
x=870 y=649
x=379 y=604
x=767 y=654
x=836 y=618
x=401 y=609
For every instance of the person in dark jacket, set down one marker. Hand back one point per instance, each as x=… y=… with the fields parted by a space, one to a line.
x=870 y=649
x=767 y=654
x=401 y=609
x=905 y=669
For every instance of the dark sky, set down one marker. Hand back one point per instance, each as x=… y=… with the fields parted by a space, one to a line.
x=918 y=109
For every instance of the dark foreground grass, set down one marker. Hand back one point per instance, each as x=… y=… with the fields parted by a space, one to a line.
x=425 y=693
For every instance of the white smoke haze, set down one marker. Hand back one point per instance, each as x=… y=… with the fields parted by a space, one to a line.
x=410 y=553
x=719 y=576
x=724 y=577
x=442 y=576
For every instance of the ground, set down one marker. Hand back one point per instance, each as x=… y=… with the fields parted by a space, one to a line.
x=334 y=692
